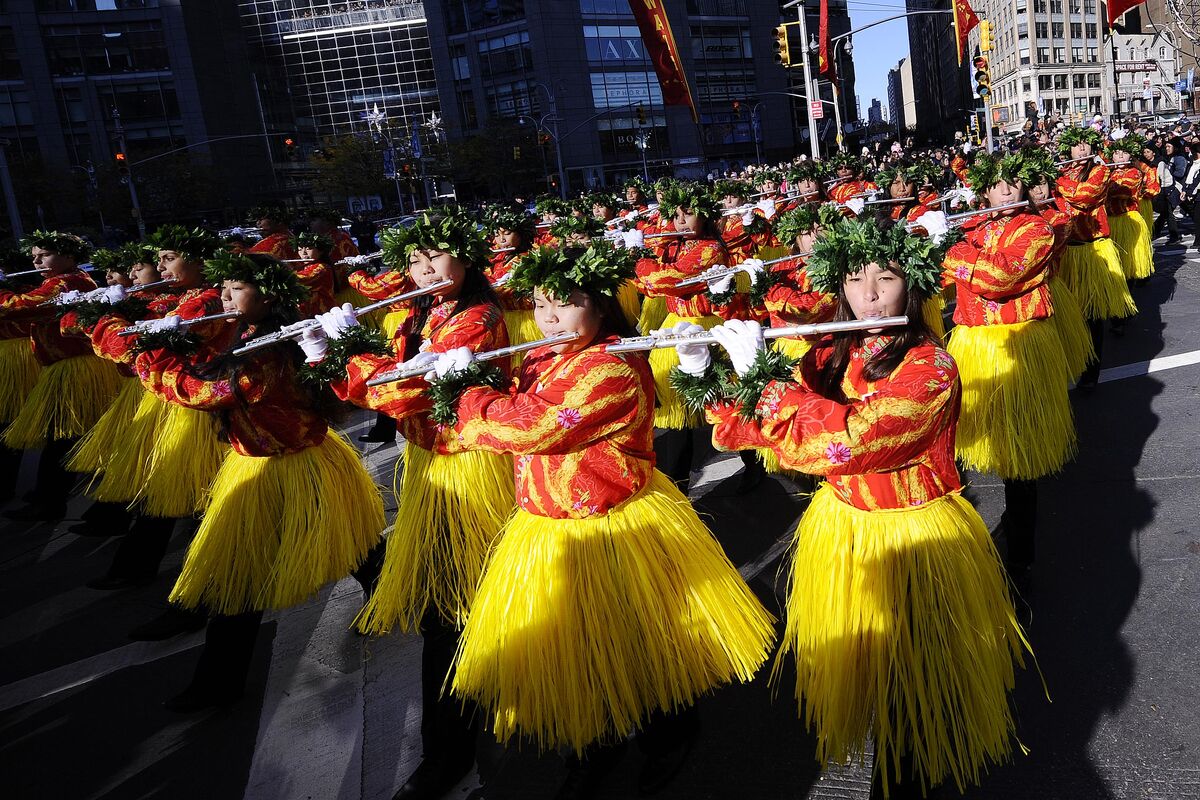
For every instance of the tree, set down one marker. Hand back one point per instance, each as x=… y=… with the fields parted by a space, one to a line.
x=349 y=166
x=499 y=161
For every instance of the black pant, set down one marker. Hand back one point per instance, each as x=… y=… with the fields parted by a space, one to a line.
x=1020 y=520
x=1091 y=372
x=1164 y=204
x=10 y=468
x=142 y=550
x=674 y=451
x=54 y=482
x=449 y=726
x=901 y=783
x=367 y=573
x=228 y=649
x=664 y=731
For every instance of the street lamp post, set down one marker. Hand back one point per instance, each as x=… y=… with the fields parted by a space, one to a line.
x=553 y=117
x=802 y=14
x=643 y=141
x=754 y=128
x=375 y=121
x=119 y=129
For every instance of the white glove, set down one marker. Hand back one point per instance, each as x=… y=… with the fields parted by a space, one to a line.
x=856 y=204
x=423 y=358
x=314 y=342
x=963 y=196
x=337 y=321
x=114 y=294
x=356 y=261
x=934 y=222
x=456 y=360
x=3 y=275
x=755 y=268
x=767 y=206
x=68 y=298
x=503 y=279
x=720 y=285
x=694 y=357
x=748 y=219
x=95 y=294
x=169 y=323
x=742 y=340
x=614 y=235
x=966 y=148
x=633 y=239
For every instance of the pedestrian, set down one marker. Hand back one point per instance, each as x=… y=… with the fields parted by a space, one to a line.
x=1172 y=167
x=1191 y=190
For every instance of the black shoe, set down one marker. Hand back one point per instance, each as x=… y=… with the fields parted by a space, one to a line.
x=98 y=530
x=193 y=699
x=171 y=622
x=432 y=779
x=109 y=583
x=753 y=474
x=661 y=768
x=1020 y=578
x=37 y=512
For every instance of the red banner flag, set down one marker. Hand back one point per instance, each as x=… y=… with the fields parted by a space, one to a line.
x=660 y=45
x=1118 y=7
x=964 y=21
x=826 y=66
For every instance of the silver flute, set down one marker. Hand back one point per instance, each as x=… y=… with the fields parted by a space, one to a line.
x=628 y=217
x=97 y=293
x=668 y=235
x=488 y=355
x=953 y=220
x=718 y=272
x=349 y=260
x=636 y=343
x=297 y=329
x=141 y=327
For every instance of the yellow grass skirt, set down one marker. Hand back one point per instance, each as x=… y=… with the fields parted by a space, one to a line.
x=451 y=509
x=130 y=462
x=1016 y=420
x=187 y=455
x=583 y=627
x=1072 y=328
x=1132 y=239
x=931 y=311
x=630 y=300
x=97 y=446
x=1146 y=209
x=69 y=398
x=279 y=528
x=390 y=322
x=1092 y=271
x=18 y=375
x=902 y=629
x=654 y=311
x=669 y=411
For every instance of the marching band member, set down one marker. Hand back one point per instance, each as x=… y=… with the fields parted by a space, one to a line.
x=291 y=508
x=315 y=251
x=1129 y=230
x=276 y=239
x=18 y=369
x=73 y=387
x=897 y=611
x=513 y=236
x=1091 y=266
x=744 y=229
x=791 y=298
x=599 y=535
x=848 y=183
x=325 y=222
x=1016 y=419
x=452 y=504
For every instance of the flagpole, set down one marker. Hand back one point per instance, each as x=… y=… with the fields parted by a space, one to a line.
x=808 y=84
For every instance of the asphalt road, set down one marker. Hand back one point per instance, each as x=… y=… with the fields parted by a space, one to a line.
x=1107 y=710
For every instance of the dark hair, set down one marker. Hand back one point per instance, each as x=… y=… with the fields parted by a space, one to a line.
x=476 y=290
x=883 y=363
x=614 y=321
x=710 y=230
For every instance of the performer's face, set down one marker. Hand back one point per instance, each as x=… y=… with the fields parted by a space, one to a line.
x=575 y=313
x=730 y=201
x=244 y=297
x=602 y=213
x=1040 y=192
x=769 y=188
x=845 y=172
x=505 y=238
x=172 y=266
x=427 y=267
x=633 y=196
x=875 y=291
x=143 y=273
x=901 y=188
x=687 y=220
x=114 y=277
x=50 y=262
x=806 y=240
x=308 y=253
x=1120 y=157
x=807 y=187
x=1002 y=193
x=1081 y=150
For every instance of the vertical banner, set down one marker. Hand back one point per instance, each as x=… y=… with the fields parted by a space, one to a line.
x=964 y=21
x=827 y=68
x=652 y=21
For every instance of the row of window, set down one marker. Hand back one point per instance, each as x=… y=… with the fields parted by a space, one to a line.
x=105 y=49
x=1056 y=30
x=1058 y=55
x=1087 y=7
x=1079 y=80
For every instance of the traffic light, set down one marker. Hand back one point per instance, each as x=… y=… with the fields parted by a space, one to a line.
x=516 y=153
x=737 y=107
x=641 y=115
x=122 y=164
x=782 y=55
x=289 y=148
x=983 y=77
x=985 y=36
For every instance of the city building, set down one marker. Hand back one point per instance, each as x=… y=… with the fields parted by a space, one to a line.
x=1050 y=53
x=875 y=112
x=1147 y=63
x=78 y=77
x=525 y=62
x=941 y=89
x=839 y=23
x=902 y=103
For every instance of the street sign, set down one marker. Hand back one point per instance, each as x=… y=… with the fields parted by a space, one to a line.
x=1136 y=66
x=817 y=109
x=1000 y=115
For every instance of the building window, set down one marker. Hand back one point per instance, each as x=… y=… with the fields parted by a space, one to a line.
x=1022 y=30
x=460 y=65
x=466 y=108
x=1043 y=55
x=1025 y=85
x=1044 y=83
x=1056 y=7
x=711 y=42
x=1024 y=55
x=1091 y=55
x=1077 y=81
x=15 y=108
x=1093 y=80
x=616 y=89
x=469 y=15
x=1056 y=29
x=614 y=44
x=1076 y=55
x=505 y=54
x=1042 y=29
x=1039 y=6
x=1021 y=6
x=105 y=49
x=1074 y=6
x=1089 y=7
x=1060 y=81
x=509 y=99
x=608 y=7
x=1060 y=55
x=1076 y=30
x=1090 y=27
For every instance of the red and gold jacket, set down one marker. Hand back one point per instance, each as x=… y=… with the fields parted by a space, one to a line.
x=886 y=444
x=1000 y=270
x=1152 y=186
x=319 y=279
x=687 y=258
x=480 y=328
x=921 y=206
x=107 y=341
x=1085 y=194
x=388 y=283
x=278 y=245
x=343 y=245
x=1059 y=222
x=502 y=264
x=580 y=424
x=743 y=244
x=959 y=166
x=1125 y=193
x=158 y=306
x=846 y=190
x=260 y=401
x=46 y=340
x=791 y=300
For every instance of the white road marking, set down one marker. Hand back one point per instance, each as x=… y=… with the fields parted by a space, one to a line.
x=1153 y=365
